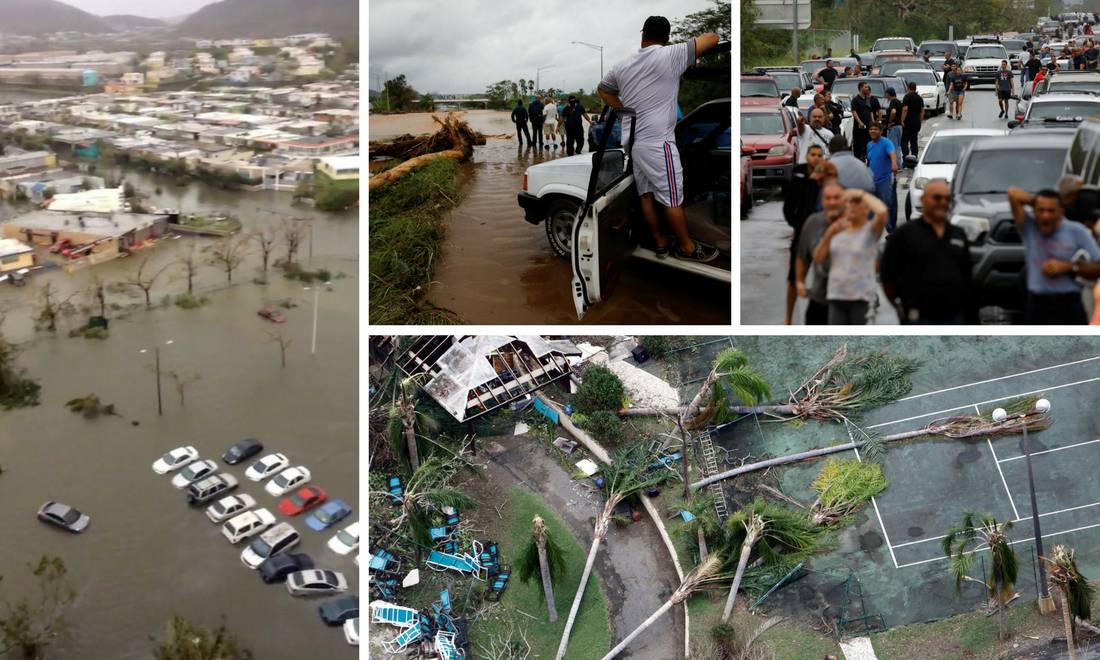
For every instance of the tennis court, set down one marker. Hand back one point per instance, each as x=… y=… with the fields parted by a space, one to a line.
x=894 y=546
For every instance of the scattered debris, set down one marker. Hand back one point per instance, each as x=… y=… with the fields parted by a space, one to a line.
x=90 y=407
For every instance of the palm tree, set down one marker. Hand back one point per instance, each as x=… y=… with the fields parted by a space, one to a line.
x=983 y=532
x=1074 y=591
x=406 y=418
x=730 y=370
x=754 y=529
x=702 y=574
x=628 y=473
x=704 y=522
x=427 y=492
x=543 y=556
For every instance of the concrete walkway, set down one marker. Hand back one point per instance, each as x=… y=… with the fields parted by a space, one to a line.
x=631 y=562
x=858 y=648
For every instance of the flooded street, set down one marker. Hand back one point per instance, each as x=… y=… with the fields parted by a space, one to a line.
x=147 y=555
x=488 y=122
x=498 y=268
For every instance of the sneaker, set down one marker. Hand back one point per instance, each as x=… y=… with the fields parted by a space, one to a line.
x=703 y=253
x=663 y=252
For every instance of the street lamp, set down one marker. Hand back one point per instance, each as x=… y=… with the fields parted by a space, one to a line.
x=594 y=47
x=1046 y=603
x=156 y=352
x=537 y=72
x=313 y=341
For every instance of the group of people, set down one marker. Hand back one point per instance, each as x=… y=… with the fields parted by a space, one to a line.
x=835 y=204
x=561 y=121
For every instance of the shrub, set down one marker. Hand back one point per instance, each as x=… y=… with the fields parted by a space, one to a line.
x=655 y=345
x=600 y=390
x=188 y=301
x=605 y=426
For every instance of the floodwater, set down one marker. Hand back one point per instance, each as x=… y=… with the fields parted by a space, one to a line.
x=488 y=122
x=147 y=555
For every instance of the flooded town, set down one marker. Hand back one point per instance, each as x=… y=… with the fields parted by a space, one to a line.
x=179 y=331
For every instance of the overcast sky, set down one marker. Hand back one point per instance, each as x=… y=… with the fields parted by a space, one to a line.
x=139 y=7
x=466 y=45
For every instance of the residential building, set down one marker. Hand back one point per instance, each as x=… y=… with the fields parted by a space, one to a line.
x=15 y=255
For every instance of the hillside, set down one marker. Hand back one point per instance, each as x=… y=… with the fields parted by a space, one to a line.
x=42 y=16
x=272 y=18
x=129 y=21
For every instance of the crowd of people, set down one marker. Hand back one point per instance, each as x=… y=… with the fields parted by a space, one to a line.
x=559 y=122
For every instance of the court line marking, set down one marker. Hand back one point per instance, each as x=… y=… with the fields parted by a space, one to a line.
x=996 y=462
x=1041 y=515
x=1026 y=540
x=875 y=504
x=1041 y=390
x=993 y=380
x=1047 y=451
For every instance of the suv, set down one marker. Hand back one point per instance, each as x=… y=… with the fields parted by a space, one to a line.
x=894 y=43
x=275 y=541
x=939 y=51
x=758 y=90
x=982 y=62
x=204 y=490
x=787 y=78
x=980 y=207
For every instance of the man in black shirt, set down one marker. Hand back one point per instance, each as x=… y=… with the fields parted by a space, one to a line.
x=519 y=118
x=1091 y=55
x=836 y=112
x=1005 y=88
x=826 y=76
x=925 y=268
x=912 y=111
x=792 y=98
x=574 y=112
x=1033 y=65
x=948 y=63
x=865 y=111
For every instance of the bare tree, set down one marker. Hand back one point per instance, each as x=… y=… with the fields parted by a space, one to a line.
x=144 y=280
x=266 y=238
x=294 y=232
x=97 y=293
x=227 y=254
x=181 y=381
x=51 y=306
x=284 y=342
x=190 y=262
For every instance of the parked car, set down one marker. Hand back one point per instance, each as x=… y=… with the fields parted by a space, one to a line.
x=272 y=314
x=894 y=43
x=1065 y=109
x=895 y=67
x=193 y=472
x=787 y=78
x=337 y=611
x=746 y=180
x=275 y=569
x=346 y=540
x=939 y=51
x=759 y=90
x=770 y=133
x=928 y=86
x=206 y=489
x=246 y=525
x=982 y=62
x=316 y=582
x=302 y=500
x=63 y=516
x=1083 y=82
x=329 y=514
x=229 y=506
x=266 y=466
x=175 y=459
x=242 y=451
x=938 y=159
x=275 y=541
x=351 y=631
x=286 y=480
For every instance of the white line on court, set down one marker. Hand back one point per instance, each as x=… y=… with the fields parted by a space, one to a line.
x=993 y=380
x=1047 y=451
x=877 y=514
x=1027 y=540
x=1041 y=515
x=980 y=403
x=1003 y=481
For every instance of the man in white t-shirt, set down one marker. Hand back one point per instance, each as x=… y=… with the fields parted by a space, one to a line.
x=812 y=134
x=648 y=82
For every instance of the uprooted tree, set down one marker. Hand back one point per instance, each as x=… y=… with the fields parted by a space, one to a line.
x=454 y=139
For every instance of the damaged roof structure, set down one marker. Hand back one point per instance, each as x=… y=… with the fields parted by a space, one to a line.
x=472 y=375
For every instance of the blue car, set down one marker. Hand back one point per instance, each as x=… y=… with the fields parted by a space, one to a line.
x=328 y=514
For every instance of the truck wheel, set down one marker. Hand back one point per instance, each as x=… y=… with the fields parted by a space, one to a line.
x=560 y=214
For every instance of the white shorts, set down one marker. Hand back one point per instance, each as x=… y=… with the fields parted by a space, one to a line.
x=657 y=170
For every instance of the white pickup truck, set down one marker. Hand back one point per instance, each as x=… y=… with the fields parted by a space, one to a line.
x=610 y=229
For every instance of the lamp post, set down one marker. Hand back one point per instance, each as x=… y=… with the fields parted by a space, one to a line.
x=313 y=341
x=1046 y=603
x=537 y=72
x=593 y=47
x=156 y=353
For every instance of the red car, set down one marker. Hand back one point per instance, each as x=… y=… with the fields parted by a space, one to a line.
x=746 y=180
x=272 y=314
x=770 y=134
x=60 y=245
x=302 y=500
x=759 y=90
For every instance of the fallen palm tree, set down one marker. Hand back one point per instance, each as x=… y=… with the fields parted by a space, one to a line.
x=842 y=487
x=959 y=426
x=454 y=139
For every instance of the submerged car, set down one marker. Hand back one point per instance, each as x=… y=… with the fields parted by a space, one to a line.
x=278 y=567
x=242 y=451
x=346 y=540
x=335 y=612
x=275 y=541
x=63 y=516
x=351 y=631
x=193 y=472
x=266 y=466
x=302 y=500
x=286 y=480
x=208 y=488
x=329 y=514
x=229 y=506
x=175 y=459
x=272 y=314
x=247 y=525
x=316 y=582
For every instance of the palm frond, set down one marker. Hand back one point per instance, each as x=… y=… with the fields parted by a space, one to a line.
x=843 y=486
x=452 y=497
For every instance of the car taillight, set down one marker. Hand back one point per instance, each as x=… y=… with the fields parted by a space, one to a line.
x=1019 y=117
x=524 y=183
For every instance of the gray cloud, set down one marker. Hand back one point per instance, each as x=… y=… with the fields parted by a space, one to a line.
x=139 y=7
x=465 y=45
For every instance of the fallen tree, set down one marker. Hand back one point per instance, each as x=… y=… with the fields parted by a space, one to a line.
x=454 y=139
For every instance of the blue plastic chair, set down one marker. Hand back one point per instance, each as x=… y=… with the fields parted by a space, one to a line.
x=397 y=491
x=499 y=583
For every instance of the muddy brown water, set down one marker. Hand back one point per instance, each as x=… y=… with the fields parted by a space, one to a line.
x=147 y=555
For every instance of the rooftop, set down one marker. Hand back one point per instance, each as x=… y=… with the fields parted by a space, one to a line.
x=105 y=224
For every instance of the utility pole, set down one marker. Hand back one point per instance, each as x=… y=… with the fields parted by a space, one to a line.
x=794 y=31
x=313 y=342
x=160 y=405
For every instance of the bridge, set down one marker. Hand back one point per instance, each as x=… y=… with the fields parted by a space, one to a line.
x=483 y=102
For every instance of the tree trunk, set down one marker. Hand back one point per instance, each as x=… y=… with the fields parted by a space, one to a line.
x=771 y=409
x=547 y=583
x=666 y=606
x=190 y=282
x=746 y=550
x=408 y=421
x=147 y=292
x=401 y=170
x=600 y=531
x=684 y=462
x=702 y=538
x=1001 y=621
x=1067 y=621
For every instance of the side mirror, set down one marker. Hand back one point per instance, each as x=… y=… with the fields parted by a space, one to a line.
x=911 y=161
x=1013 y=124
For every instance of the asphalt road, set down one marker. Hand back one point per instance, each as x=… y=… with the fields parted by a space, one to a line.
x=766 y=238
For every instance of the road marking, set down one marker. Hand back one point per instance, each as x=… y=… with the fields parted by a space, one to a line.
x=992 y=380
x=1047 y=451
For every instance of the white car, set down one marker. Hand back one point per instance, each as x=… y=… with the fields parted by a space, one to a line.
x=229 y=506
x=346 y=540
x=928 y=86
x=193 y=472
x=316 y=582
x=287 y=480
x=266 y=466
x=247 y=524
x=351 y=631
x=938 y=159
x=275 y=541
x=175 y=459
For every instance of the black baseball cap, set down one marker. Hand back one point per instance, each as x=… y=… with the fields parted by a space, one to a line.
x=572 y=98
x=656 y=28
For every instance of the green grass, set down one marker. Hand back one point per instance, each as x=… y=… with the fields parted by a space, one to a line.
x=591 y=635
x=970 y=635
x=787 y=640
x=407 y=231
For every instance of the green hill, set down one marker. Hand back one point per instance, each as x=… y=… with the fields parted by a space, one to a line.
x=272 y=18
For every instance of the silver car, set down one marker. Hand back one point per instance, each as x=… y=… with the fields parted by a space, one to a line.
x=316 y=582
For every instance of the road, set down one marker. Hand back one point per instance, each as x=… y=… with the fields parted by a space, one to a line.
x=765 y=236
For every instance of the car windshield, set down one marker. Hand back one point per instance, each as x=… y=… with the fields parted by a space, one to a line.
x=71 y=516
x=947 y=150
x=326 y=515
x=938 y=49
x=759 y=123
x=986 y=53
x=260 y=547
x=891 y=68
x=1062 y=110
x=759 y=88
x=811 y=66
x=992 y=172
x=786 y=80
x=297 y=499
x=218 y=507
x=920 y=77
x=891 y=44
x=346 y=538
x=1012 y=46
x=1075 y=86
x=282 y=479
x=172 y=457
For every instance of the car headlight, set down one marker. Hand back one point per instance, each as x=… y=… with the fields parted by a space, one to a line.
x=927 y=95
x=972 y=225
x=920 y=182
x=778 y=150
x=967 y=68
